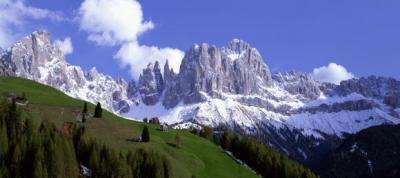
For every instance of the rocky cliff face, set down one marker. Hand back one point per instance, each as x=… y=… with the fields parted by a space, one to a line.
x=379 y=88
x=210 y=71
x=36 y=58
x=298 y=83
x=221 y=87
x=151 y=84
x=172 y=93
x=233 y=87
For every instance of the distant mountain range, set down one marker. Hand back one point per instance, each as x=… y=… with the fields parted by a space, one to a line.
x=223 y=87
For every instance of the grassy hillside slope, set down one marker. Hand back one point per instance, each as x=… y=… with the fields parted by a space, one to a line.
x=197 y=156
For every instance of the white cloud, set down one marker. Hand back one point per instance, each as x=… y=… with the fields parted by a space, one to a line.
x=13 y=19
x=120 y=22
x=35 y=13
x=65 y=45
x=112 y=21
x=333 y=73
x=137 y=57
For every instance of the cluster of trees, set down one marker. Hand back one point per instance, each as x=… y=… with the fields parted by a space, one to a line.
x=27 y=150
x=106 y=162
x=84 y=112
x=205 y=132
x=30 y=151
x=98 y=111
x=380 y=143
x=263 y=159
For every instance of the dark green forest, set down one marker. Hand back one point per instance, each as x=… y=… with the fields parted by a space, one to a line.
x=44 y=151
x=263 y=159
x=370 y=153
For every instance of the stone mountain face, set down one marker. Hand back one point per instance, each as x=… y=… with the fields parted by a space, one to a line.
x=151 y=84
x=381 y=88
x=237 y=69
x=208 y=70
x=36 y=58
x=233 y=87
x=221 y=87
x=298 y=83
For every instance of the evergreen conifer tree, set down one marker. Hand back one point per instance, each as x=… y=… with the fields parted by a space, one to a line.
x=85 y=110
x=83 y=117
x=207 y=132
x=38 y=171
x=145 y=134
x=98 y=112
x=227 y=140
x=177 y=140
x=304 y=175
x=4 y=140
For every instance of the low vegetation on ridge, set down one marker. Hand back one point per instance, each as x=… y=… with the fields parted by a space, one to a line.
x=104 y=145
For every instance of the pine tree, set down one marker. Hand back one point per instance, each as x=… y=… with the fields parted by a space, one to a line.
x=54 y=162
x=4 y=140
x=177 y=140
x=207 y=132
x=98 y=111
x=83 y=117
x=84 y=112
x=227 y=140
x=304 y=175
x=38 y=171
x=16 y=159
x=85 y=109
x=282 y=173
x=39 y=167
x=94 y=162
x=12 y=122
x=2 y=172
x=145 y=134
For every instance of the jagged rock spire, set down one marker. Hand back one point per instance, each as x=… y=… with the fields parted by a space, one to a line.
x=31 y=53
x=158 y=77
x=236 y=69
x=35 y=57
x=168 y=73
x=166 y=68
x=151 y=84
x=131 y=90
x=171 y=95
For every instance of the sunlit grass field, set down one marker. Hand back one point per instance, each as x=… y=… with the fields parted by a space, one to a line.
x=197 y=157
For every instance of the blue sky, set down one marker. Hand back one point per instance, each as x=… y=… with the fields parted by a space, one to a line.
x=361 y=35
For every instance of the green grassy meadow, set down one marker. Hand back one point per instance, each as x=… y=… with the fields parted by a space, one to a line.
x=196 y=157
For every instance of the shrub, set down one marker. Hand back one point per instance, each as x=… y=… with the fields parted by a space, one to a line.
x=98 y=112
x=145 y=134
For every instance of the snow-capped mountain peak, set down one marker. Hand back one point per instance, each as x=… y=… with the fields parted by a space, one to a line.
x=36 y=58
x=230 y=86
